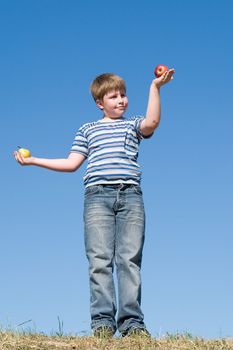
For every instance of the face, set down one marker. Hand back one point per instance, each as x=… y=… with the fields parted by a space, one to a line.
x=114 y=104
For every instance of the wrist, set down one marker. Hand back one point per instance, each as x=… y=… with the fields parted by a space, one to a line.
x=154 y=87
x=33 y=160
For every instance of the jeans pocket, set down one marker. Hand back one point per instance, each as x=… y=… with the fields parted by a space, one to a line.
x=137 y=189
x=92 y=190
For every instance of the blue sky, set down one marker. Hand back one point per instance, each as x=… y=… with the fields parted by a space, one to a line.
x=50 y=52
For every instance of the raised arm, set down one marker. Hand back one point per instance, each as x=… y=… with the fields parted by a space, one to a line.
x=70 y=164
x=151 y=122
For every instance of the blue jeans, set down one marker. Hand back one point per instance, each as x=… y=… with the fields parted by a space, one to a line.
x=114 y=220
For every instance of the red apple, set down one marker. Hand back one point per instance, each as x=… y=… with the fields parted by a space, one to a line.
x=160 y=69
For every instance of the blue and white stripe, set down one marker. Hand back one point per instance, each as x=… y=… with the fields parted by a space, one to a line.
x=112 y=151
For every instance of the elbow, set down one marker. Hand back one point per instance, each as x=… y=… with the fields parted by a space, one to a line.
x=74 y=167
x=152 y=125
x=155 y=124
x=72 y=170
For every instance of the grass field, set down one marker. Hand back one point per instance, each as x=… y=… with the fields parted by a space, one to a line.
x=20 y=341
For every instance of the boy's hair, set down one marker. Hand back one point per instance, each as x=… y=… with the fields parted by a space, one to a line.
x=105 y=83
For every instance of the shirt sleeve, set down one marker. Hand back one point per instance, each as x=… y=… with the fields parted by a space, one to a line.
x=80 y=144
x=137 y=124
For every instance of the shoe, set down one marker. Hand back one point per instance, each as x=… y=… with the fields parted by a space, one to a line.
x=104 y=332
x=137 y=332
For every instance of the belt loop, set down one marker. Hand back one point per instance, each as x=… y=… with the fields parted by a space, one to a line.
x=118 y=191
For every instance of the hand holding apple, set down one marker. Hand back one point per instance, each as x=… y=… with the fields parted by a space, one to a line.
x=163 y=74
x=160 y=69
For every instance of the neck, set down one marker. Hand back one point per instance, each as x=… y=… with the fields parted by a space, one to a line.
x=108 y=118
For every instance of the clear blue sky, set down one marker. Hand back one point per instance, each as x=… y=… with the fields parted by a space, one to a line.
x=50 y=52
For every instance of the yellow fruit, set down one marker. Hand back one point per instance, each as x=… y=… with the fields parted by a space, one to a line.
x=25 y=153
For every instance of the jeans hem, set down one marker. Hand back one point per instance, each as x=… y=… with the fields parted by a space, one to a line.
x=98 y=324
x=131 y=325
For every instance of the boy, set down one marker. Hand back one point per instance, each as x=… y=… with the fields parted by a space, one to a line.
x=114 y=217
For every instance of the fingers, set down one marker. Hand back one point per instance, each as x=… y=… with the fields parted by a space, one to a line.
x=19 y=158
x=167 y=76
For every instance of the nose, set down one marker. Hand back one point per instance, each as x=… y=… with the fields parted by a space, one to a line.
x=120 y=99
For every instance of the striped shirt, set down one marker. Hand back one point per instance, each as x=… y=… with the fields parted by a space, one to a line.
x=112 y=151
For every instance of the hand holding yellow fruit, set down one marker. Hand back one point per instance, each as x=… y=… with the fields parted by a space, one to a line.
x=23 y=156
x=25 y=153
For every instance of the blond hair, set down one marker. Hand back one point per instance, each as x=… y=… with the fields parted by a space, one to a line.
x=105 y=83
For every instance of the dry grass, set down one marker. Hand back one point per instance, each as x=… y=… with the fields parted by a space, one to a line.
x=17 y=341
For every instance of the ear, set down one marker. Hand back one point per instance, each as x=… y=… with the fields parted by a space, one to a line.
x=99 y=104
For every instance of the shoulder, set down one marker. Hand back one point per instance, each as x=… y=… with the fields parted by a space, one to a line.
x=135 y=119
x=87 y=126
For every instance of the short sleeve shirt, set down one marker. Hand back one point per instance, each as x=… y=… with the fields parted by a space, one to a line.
x=112 y=151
